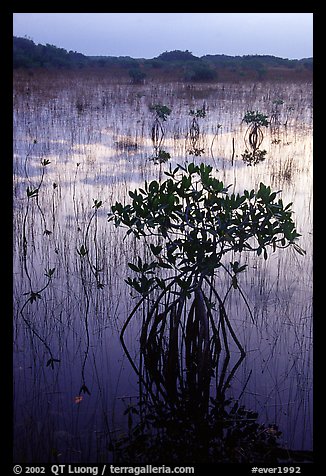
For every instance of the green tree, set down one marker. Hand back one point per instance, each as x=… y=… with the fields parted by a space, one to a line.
x=196 y=223
x=137 y=76
x=196 y=72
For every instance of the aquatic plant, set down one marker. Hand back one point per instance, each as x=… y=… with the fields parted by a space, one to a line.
x=95 y=269
x=157 y=133
x=35 y=292
x=255 y=120
x=253 y=157
x=254 y=137
x=196 y=223
x=194 y=131
x=161 y=111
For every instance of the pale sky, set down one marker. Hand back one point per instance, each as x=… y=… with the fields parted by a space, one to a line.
x=146 y=35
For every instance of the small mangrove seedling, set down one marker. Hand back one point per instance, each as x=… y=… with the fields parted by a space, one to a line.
x=158 y=132
x=194 y=131
x=84 y=249
x=218 y=127
x=34 y=193
x=254 y=137
x=34 y=295
x=161 y=111
x=86 y=261
x=198 y=223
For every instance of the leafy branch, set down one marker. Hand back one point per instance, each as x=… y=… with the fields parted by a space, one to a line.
x=198 y=222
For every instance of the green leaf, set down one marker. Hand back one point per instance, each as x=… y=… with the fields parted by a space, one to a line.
x=153 y=187
x=133 y=267
x=51 y=362
x=161 y=264
x=49 y=273
x=97 y=204
x=32 y=193
x=140 y=263
x=197 y=217
x=161 y=283
x=156 y=250
x=34 y=296
x=272 y=196
x=84 y=389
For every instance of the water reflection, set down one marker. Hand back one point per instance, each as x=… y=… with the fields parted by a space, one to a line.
x=195 y=147
x=184 y=413
x=161 y=112
x=254 y=157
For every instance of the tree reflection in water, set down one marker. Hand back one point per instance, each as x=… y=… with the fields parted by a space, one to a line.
x=183 y=413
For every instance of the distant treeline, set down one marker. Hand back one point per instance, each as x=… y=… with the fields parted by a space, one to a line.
x=176 y=64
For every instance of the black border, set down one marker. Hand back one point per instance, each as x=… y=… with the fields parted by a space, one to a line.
x=6 y=31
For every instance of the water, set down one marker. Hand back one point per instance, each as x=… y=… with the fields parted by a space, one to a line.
x=96 y=135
